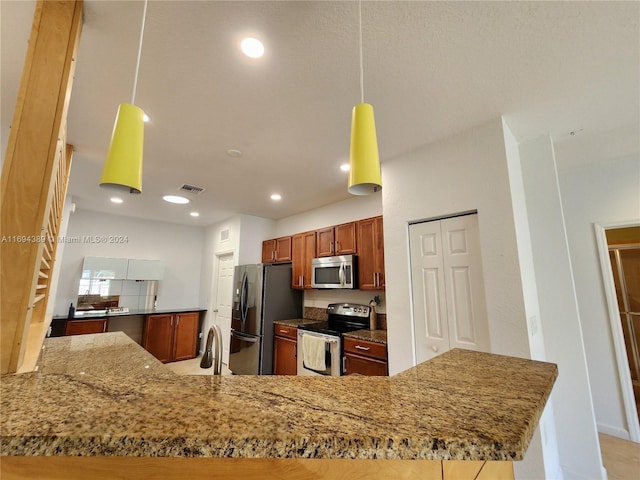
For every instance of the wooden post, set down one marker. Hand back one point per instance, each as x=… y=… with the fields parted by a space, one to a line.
x=35 y=152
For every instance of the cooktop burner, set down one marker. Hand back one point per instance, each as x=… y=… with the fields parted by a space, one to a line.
x=343 y=317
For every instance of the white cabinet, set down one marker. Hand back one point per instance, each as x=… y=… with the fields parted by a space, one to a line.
x=145 y=269
x=122 y=268
x=105 y=267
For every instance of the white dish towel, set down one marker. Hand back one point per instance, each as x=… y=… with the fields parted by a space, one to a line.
x=313 y=351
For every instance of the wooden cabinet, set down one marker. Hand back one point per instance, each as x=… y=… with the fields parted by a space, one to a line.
x=82 y=327
x=276 y=250
x=285 y=350
x=303 y=250
x=173 y=336
x=337 y=240
x=371 y=254
x=364 y=357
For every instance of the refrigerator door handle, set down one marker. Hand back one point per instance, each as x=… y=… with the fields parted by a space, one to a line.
x=244 y=293
x=245 y=337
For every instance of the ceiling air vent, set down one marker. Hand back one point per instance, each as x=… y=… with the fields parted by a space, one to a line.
x=187 y=187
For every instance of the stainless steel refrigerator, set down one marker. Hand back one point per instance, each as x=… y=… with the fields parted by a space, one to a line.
x=262 y=293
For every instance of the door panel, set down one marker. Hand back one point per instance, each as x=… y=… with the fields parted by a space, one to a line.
x=224 y=298
x=185 y=336
x=448 y=294
x=158 y=336
x=465 y=289
x=429 y=299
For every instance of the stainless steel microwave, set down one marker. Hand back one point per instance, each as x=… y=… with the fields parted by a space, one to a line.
x=335 y=272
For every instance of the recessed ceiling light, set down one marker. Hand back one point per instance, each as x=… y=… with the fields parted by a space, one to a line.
x=145 y=117
x=175 y=199
x=194 y=214
x=232 y=152
x=252 y=47
x=116 y=200
x=276 y=197
x=345 y=167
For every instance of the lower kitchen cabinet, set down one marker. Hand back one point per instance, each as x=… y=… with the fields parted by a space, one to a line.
x=285 y=346
x=82 y=327
x=172 y=337
x=365 y=358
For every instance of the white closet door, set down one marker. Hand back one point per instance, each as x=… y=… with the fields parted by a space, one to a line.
x=449 y=308
x=428 y=285
x=467 y=312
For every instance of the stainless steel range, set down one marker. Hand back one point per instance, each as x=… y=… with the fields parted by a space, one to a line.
x=320 y=344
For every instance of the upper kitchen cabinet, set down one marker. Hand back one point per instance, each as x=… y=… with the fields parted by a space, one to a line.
x=105 y=267
x=303 y=250
x=122 y=268
x=276 y=250
x=371 y=254
x=337 y=240
x=145 y=269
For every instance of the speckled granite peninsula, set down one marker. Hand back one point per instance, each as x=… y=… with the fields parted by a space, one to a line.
x=103 y=395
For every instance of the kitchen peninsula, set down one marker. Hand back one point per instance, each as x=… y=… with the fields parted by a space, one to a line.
x=100 y=403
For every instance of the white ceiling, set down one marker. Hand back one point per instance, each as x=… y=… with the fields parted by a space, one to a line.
x=431 y=69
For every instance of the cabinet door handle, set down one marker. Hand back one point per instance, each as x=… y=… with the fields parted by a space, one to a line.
x=177 y=321
x=331 y=247
x=337 y=246
x=360 y=347
x=284 y=331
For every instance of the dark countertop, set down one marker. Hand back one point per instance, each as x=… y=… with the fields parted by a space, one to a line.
x=132 y=312
x=295 y=322
x=378 y=336
x=103 y=395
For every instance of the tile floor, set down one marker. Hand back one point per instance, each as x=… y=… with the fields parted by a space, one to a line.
x=621 y=458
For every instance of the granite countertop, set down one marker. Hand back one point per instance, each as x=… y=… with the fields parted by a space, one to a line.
x=102 y=394
x=378 y=336
x=295 y=322
x=88 y=314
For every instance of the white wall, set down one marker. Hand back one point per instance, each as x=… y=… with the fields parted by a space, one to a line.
x=355 y=208
x=459 y=174
x=578 y=444
x=179 y=246
x=545 y=440
x=463 y=173
x=603 y=193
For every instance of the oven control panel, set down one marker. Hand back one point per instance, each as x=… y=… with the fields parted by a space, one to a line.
x=349 y=309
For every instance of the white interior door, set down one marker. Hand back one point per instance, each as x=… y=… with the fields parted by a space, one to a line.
x=466 y=306
x=429 y=297
x=449 y=308
x=224 y=298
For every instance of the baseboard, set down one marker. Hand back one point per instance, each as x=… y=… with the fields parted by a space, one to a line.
x=613 y=431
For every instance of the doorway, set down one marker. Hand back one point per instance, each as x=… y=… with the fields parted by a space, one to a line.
x=619 y=248
x=449 y=307
x=624 y=255
x=223 y=300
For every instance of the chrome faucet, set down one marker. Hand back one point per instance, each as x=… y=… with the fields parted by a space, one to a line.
x=210 y=358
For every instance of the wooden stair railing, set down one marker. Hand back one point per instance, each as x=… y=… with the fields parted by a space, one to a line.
x=35 y=174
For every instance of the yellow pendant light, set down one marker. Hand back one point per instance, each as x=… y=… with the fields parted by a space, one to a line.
x=122 y=168
x=364 y=160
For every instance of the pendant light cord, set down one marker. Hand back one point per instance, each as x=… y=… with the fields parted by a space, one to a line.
x=135 y=80
x=361 y=60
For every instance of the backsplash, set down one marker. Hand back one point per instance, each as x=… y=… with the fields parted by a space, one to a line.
x=133 y=294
